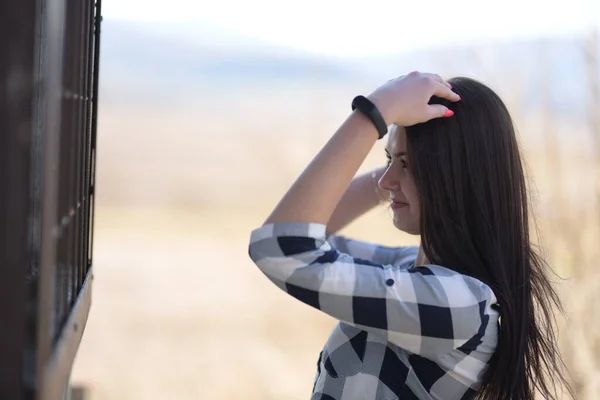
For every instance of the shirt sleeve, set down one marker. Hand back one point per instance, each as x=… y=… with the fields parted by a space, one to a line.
x=426 y=310
x=396 y=256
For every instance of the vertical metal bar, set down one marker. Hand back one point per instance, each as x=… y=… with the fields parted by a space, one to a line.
x=87 y=37
x=74 y=145
x=64 y=242
x=78 y=278
x=17 y=42
x=88 y=131
x=51 y=80
x=74 y=131
x=37 y=203
x=80 y=135
x=97 y=25
x=65 y=176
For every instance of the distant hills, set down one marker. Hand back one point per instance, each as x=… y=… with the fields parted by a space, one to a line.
x=165 y=64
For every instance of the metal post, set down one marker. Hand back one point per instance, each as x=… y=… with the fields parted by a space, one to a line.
x=18 y=19
x=48 y=104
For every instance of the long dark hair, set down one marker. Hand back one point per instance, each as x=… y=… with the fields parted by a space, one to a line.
x=475 y=220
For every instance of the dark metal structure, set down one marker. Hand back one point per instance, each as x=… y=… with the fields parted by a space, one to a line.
x=49 y=64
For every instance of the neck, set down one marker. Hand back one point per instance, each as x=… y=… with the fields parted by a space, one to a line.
x=421 y=258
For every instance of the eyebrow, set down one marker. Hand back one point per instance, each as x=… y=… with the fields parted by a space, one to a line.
x=399 y=154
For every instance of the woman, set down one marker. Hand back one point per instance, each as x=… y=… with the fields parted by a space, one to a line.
x=467 y=314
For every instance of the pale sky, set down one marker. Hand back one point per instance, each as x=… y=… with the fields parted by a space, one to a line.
x=354 y=28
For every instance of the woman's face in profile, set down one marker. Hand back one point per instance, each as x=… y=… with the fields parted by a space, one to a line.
x=398 y=181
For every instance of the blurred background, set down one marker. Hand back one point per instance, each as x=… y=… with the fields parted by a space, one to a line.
x=208 y=112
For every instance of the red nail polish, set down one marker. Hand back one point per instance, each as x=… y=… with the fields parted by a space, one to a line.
x=448 y=113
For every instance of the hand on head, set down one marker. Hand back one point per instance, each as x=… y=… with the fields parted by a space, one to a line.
x=404 y=101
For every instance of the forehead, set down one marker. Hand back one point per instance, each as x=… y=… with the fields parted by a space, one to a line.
x=396 y=141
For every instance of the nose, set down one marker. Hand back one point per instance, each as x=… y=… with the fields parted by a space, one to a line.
x=389 y=180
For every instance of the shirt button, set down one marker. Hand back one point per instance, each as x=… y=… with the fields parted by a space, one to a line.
x=389 y=282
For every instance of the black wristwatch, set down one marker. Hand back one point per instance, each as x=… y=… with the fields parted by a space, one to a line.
x=370 y=110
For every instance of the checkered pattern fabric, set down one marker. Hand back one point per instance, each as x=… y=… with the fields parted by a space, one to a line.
x=405 y=331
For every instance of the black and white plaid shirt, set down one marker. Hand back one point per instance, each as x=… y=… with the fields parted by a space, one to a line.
x=405 y=332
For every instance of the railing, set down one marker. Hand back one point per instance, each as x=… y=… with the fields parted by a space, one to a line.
x=49 y=64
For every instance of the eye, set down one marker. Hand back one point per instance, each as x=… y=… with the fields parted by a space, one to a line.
x=403 y=164
x=389 y=160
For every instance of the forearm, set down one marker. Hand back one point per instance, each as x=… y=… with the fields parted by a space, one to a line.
x=315 y=194
x=362 y=196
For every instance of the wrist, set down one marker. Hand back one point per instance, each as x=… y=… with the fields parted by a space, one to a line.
x=371 y=111
x=362 y=123
x=381 y=107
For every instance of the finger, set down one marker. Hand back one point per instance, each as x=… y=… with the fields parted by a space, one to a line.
x=440 y=111
x=444 y=92
x=439 y=79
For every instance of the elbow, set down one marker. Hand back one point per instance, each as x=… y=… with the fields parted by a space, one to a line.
x=286 y=246
x=286 y=249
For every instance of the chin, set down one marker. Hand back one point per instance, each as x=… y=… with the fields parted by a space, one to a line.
x=405 y=226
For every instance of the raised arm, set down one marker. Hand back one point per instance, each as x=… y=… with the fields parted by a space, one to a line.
x=317 y=191
x=426 y=310
x=403 y=101
x=363 y=195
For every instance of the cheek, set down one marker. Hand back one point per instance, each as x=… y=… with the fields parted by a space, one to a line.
x=410 y=191
x=414 y=198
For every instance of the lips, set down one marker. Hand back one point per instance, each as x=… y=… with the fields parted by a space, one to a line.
x=398 y=204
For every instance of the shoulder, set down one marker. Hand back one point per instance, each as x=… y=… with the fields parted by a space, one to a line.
x=389 y=255
x=459 y=289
